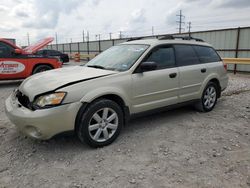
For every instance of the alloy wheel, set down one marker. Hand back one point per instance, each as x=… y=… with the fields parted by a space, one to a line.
x=209 y=98
x=103 y=124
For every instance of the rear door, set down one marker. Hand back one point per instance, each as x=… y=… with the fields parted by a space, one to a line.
x=12 y=66
x=156 y=88
x=192 y=72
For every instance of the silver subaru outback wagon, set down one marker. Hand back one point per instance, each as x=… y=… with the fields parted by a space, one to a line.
x=95 y=100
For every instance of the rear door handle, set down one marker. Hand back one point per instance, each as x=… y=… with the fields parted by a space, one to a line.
x=203 y=70
x=172 y=75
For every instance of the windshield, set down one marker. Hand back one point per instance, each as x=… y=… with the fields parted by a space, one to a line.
x=119 y=58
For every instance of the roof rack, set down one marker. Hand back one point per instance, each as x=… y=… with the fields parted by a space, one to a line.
x=171 y=37
x=135 y=38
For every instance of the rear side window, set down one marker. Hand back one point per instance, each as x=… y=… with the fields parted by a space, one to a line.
x=163 y=56
x=206 y=54
x=185 y=55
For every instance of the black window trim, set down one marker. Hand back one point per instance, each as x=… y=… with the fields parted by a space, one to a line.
x=137 y=69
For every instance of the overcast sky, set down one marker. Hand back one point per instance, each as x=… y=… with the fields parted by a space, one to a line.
x=68 y=18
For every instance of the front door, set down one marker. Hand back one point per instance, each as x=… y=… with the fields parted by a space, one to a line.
x=156 y=88
x=12 y=66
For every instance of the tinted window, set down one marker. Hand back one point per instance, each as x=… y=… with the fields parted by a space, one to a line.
x=206 y=54
x=5 y=50
x=185 y=55
x=163 y=56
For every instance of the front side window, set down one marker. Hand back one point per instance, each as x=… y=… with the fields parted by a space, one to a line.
x=206 y=54
x=119 y=58
x=185 y=55
x=5 y=50
x=163 y=57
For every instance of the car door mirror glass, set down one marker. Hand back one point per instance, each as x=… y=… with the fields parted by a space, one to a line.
x=148 y=66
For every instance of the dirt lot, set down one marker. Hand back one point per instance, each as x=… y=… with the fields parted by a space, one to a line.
x=178 y=148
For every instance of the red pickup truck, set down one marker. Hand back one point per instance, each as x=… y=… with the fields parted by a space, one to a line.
x=18 y=63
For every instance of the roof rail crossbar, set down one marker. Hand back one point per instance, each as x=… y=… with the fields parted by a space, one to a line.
x=171 y=37
x=166 y=37
x=135 y=38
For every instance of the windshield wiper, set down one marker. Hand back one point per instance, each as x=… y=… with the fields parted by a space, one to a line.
x=96 y=66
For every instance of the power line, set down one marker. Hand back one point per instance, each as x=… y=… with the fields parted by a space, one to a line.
x=180 y=21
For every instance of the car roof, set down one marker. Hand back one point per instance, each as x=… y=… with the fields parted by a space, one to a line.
x=155 y=42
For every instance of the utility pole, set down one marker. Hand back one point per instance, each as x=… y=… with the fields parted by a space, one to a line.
x=83 y=36
x=71 y=40
x=120 y=35
x=110 y=36
x=189 y=29
x=152 y=30
x=28 y=39
x=88 y=36
x=56 y=41
x=180 y=21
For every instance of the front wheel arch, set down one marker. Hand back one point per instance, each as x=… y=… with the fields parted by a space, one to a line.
x=83 y=116
x=112 y=97
x=41 y=64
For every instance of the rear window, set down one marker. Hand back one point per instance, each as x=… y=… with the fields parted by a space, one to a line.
x=206 y=54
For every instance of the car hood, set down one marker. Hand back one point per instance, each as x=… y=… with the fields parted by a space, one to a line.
x=38 y=45
x=55 y=79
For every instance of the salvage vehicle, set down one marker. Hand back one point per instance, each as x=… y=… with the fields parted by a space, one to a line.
x=97 y=99
x=18 y=63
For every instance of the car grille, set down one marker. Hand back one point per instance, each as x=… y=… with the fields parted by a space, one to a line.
x=23 y=100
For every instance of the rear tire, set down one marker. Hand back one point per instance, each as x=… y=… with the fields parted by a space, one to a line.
x=209 y=98
x=101 y=123
x=41 y=68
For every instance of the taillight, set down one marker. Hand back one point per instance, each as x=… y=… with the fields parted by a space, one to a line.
x=225 y=66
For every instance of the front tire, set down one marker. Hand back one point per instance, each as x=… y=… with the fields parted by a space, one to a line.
x=209 y=98
x=101 y=123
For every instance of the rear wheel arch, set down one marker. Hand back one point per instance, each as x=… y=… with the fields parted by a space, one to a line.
x=217 y=82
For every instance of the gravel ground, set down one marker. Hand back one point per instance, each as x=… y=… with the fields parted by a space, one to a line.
x=178 y=148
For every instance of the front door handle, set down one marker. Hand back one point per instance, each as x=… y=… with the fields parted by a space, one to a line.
x=172 y=75
x=203 y=70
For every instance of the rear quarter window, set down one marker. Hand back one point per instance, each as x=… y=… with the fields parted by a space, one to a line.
x=206 y=54
x=185 y=55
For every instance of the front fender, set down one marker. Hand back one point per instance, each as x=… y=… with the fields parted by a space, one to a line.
x=99 y=92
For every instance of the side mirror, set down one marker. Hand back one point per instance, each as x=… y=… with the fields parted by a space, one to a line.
x=148 y=66
x=18 y=51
